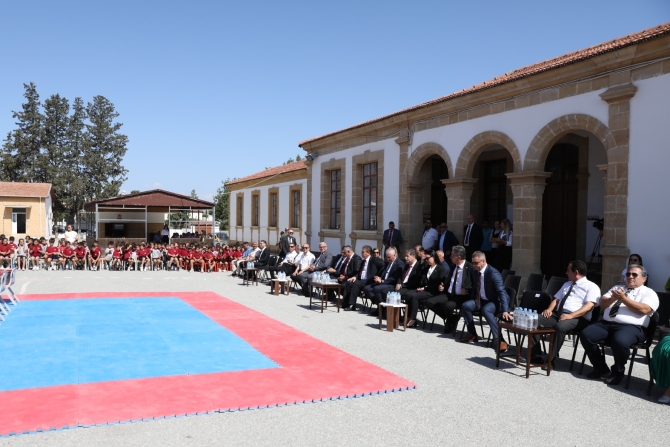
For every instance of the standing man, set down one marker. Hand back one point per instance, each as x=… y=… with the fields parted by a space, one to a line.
x=571 y=309
x=387 y=279
x=489 y=298
x=392 y=237
x=285 y=241
x=429 y=237
x=626 y=312
x=322 y=263
x=472 y=237
x=369 y=267
x=445 y=241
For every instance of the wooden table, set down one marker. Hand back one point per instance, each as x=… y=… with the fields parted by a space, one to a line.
x=283 y=284
x=392 y=316
x=323 y=294
x=529 y=335
x=250 y=275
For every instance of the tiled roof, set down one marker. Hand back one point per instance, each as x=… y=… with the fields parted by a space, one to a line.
x=567 y=59
x=21 y=189
x=154 y=197
x=271 y=172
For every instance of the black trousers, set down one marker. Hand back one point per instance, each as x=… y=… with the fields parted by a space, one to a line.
x=561 y=328
x=350 y=291
x=413 y=300
x=620 y=338
x=444 y=306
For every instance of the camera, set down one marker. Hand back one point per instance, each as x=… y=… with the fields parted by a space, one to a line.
x=599 y=224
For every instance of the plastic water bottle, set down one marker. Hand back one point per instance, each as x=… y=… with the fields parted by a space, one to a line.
x=524 y=319
x=536 y=320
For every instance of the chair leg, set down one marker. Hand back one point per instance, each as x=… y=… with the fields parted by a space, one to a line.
x=581 y=368
x=433 y=322
x=481 y=325
x=630 y=367
x=651 y=378
x=574 y=351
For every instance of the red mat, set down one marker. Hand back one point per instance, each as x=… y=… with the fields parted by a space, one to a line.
x=311 y=370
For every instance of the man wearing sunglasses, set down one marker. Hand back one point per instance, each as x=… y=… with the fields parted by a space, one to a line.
x=626 y=312
x=302 y=262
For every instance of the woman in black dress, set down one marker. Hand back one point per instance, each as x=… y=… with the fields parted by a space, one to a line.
x=434 y=277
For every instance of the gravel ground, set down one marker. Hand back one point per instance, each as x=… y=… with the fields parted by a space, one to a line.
x=462 y=398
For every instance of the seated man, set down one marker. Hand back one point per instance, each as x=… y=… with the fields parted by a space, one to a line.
x=287 y=265
x=302 y=262
x=489 y=297
x=626 y=313
x=252 y=256
x=321 y=264
x=571 y=309
x=370 y=266
x=387 y=279
x=246 y=251
x=410 y=280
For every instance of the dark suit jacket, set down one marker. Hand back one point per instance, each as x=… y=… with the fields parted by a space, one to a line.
x=447 y=242
x=263 y=257
x=414 y=279
x=476 y=237
x=322 y=261
x=395 y=272
x=375 y=265
x=432 y=283
x=353 y=267
x=284 y=243
x=396 y=240
x=493 y=288
x=468 y=271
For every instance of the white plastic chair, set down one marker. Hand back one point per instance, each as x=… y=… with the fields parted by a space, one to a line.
x=9 y=283
x=4 y=308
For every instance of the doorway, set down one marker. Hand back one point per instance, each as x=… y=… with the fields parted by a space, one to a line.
x=18 y=221
x=438 y=196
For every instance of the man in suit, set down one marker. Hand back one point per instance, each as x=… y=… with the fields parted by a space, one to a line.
x=387 y=279
x=489 y=297
x=285 y=241
x=323 y=261
x=445 y=241
x=369 y=267
x=392 y=237
x=410 y=280
x=263 y=256
x=473 y=236
x=457 y=291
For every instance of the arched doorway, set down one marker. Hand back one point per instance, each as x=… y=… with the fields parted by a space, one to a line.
x=438 y=198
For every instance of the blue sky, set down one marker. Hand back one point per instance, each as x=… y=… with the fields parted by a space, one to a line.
x=213 y=90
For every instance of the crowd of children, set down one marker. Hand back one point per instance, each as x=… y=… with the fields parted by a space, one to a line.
x=37 y=254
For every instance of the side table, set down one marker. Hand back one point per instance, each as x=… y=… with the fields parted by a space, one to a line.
x=280 y=286
x=323 y=294
x=529 y=335
x=250 y=275
x=392 y=316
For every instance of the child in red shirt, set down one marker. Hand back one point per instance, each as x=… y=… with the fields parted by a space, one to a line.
x=80 y=256
x=142 y=256
x=5 y=253
x=208 y=257
x=67 y=254
x=35 y=254
x=94 y=256
x=117 y=256
x=52 y=254
x=196 y=259
x=173 y=257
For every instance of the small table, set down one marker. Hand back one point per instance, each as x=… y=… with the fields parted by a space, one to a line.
x=529 y=335
x=392 y=316
x=280 y=284
x=250 y=275
x=323 y=294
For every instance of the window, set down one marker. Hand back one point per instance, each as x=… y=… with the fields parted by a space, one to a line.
x=295 y=216
x=335 y=198
x=240 y=211
x=273 y=210
x=255 y=210
x=370 y=196
x=495 y=190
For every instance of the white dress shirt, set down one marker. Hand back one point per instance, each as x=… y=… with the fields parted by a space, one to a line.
x=304 y=260
x=364 y=272
x=584 y=291
x=429 y=238
x=407 y=274
x=459 y=280
x=482 y=289
x=642 y=294
x=503 y=234
x=290 y=256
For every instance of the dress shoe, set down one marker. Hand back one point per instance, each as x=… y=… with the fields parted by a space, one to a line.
x=503 y=346
x=553 y=366
x=345 y=307
x=468 y=339
x=353 y=307
x=448 y=329
x=664 y=400
x=614 y=378
x=598 y=373
x=537 y=359
x=413 y=323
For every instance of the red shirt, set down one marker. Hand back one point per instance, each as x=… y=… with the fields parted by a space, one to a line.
x=35 y=251
x=67 y=252
x=196 y=254
x=61 y=249
x=117 y=253
x=142 y=252
x=81 y=252
x=236 y=254
x=5 y=249
x=208 y=255
x=126 y=253
x=183 y=253
x=173 y=252
x=95 y=252
x=52 y=249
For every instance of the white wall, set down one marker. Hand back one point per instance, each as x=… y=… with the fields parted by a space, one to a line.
x=649 y=178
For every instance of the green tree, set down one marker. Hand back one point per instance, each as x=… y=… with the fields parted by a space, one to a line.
x=135 y=191
x=77 y=185
x=57 y=154
x=104 y=151
x=222 y=202
x=193 y=194
x=22 y=149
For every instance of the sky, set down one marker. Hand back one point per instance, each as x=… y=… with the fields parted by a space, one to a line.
x=214 y=90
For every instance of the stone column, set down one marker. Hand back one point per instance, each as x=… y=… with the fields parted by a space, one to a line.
x=413 y=227
x=615 y=249
x=459 y=192
x=308 y=230
x=527 y=189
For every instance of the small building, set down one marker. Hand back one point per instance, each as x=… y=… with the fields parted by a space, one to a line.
x=26 y=209
x=137 y=217
x=264 y=203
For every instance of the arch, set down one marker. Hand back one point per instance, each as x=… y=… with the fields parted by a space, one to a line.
x=469 y=154
x=548 y=136
x=420 y=154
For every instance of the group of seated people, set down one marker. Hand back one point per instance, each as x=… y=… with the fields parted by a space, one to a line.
x=462 y=287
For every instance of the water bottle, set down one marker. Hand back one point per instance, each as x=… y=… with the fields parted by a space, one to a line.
x=524 y=318
x=536 y=320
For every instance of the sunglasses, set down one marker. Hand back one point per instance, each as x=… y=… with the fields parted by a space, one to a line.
x=634 y=275
x=305 y=248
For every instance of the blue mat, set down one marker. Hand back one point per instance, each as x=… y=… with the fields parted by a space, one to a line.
x=60 y=342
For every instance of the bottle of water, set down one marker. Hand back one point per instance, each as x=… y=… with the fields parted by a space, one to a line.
x=536 y=320
x=524 y=319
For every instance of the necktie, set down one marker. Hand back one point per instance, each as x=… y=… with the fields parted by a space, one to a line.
x=344 y=266
x=388 y=269
x=409 y=270
x=316 y=264
x=453 y=286
x=388 y=244
x=565 y=298
x=467 y=236
x=479 y=291
x=615 y=309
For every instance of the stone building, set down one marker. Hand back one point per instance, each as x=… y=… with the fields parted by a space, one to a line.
x=549 y=146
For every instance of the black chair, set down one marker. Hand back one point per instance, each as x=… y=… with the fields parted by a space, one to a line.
x=535 y=281
x=595 y=316
x=649 y=333
x=514 y=282
x=537 y=301
x=663 y=308
x=272 y=262
x=554 y=285
x=505 y=273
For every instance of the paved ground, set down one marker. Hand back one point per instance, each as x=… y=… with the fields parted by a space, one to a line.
x=462 y=398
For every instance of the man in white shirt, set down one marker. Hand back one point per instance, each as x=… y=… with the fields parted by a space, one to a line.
x=70 y=235
x=430 y=235
x=302 y=262
x=626 y=312
x=287 y=265
x=571 y=309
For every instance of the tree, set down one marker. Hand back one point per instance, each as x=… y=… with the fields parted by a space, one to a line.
x=135 y=191
x=104 y=151
x=21 y=151
x=77 y=189
x=193 y=194
x=222 y=202
x=57 y=152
